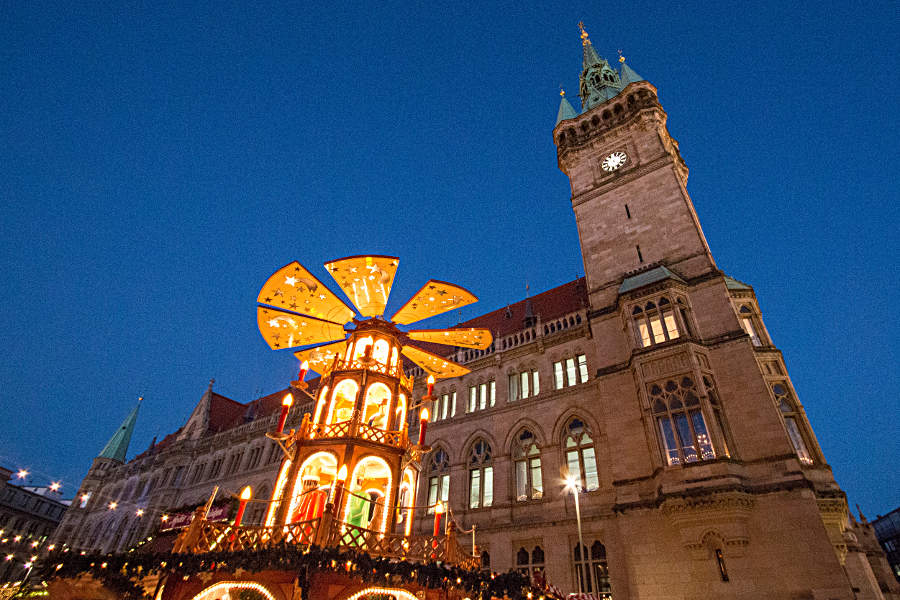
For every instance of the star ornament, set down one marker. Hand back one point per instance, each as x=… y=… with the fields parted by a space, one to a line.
x=319 y=324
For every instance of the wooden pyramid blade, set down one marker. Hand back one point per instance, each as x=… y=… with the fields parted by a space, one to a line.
x=434 y=298
x=287 y=330
x=322 y=357
x=467 y=338
x=366 y=280
x=294 y=288
x=436 y=365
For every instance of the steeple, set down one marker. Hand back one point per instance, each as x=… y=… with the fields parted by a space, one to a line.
x=628 y=75
x=565 y=109
x=598 y=82
x=117 y=446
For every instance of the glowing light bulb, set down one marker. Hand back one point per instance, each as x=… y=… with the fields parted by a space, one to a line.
x=342 y=474
x=54 y=487
x=246 y=493
x=140 y=512
x=113 y=505
x=22 y=474
x=288 y=400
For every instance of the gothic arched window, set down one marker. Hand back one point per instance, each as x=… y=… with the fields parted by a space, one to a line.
x=591 y=568
x=481 y=475
x=750 y=324
x=529 y=563
x=716 y=406
x=438 y=478
x=527 y=457
x=580 y=457
x=792 y=421
x=676 y=407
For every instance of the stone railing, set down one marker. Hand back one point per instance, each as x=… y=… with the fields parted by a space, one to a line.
x=205 y=536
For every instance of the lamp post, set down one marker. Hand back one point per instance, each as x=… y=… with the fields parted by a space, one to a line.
x=572 y=485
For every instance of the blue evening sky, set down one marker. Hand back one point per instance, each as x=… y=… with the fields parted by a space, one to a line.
x=159 y=160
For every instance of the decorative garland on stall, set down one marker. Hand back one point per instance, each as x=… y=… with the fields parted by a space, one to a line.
x=121 y=572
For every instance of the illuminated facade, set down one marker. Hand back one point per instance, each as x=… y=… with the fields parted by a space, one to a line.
x=652 y=383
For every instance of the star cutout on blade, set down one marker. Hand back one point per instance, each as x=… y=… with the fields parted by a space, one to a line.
x=291 y=281
x=278 y=293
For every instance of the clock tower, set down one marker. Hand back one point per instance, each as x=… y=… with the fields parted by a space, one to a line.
x=628 y=180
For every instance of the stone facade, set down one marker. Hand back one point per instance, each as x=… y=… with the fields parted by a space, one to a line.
x=222 y=443
x=652 y=383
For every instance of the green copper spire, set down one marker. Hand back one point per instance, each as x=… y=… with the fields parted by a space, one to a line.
x=628 y=74
x=599 y=81
x=565 y=109
x=117 y=446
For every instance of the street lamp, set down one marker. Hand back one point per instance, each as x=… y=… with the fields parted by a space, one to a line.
x=573 y=485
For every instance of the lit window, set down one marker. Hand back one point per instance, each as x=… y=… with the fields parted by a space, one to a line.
x=453 y=404
x=591 y=569
x=570 y=371
x=481 y=476
x=524 y=385
x=682 y=428
x=482 y=396
x=581 y=460
x=582 y=367
x=746 y=316
x=527 y=457
x=439 y=478
x=657 y=322
x=473 y=398
x=792 y=419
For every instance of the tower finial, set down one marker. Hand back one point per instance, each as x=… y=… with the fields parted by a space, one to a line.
x=621 y=58
x=562 y=92
x=584 y=34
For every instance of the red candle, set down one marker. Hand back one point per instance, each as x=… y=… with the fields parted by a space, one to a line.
x=303 y=369
x=423 y=423
x=438 y=511
x=430 y=385
x=285 y=407
x=339 y=489
x=245 y=497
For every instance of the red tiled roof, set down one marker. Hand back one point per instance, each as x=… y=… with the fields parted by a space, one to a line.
x=548 y=305
x=555 y=302
x=224 y=412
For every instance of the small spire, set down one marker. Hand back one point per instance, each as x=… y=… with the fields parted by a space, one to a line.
x=211 y=382
x=117 y=447
x=565 y=108
x=862 y=517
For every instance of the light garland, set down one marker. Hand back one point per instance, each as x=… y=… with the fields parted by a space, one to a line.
x=398 y=593
x=213 y=590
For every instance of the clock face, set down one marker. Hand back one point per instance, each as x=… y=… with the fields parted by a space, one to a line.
x=614 y=161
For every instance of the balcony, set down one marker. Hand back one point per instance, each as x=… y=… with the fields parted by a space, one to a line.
x=205 y=536
x=349 y=429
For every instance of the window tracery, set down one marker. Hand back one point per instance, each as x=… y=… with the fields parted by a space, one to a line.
x=439 y=478
x=527 y=458
x=676 y=407
x=792 y=421
x=581 y=459
x=591 y=568
x=481 y=475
